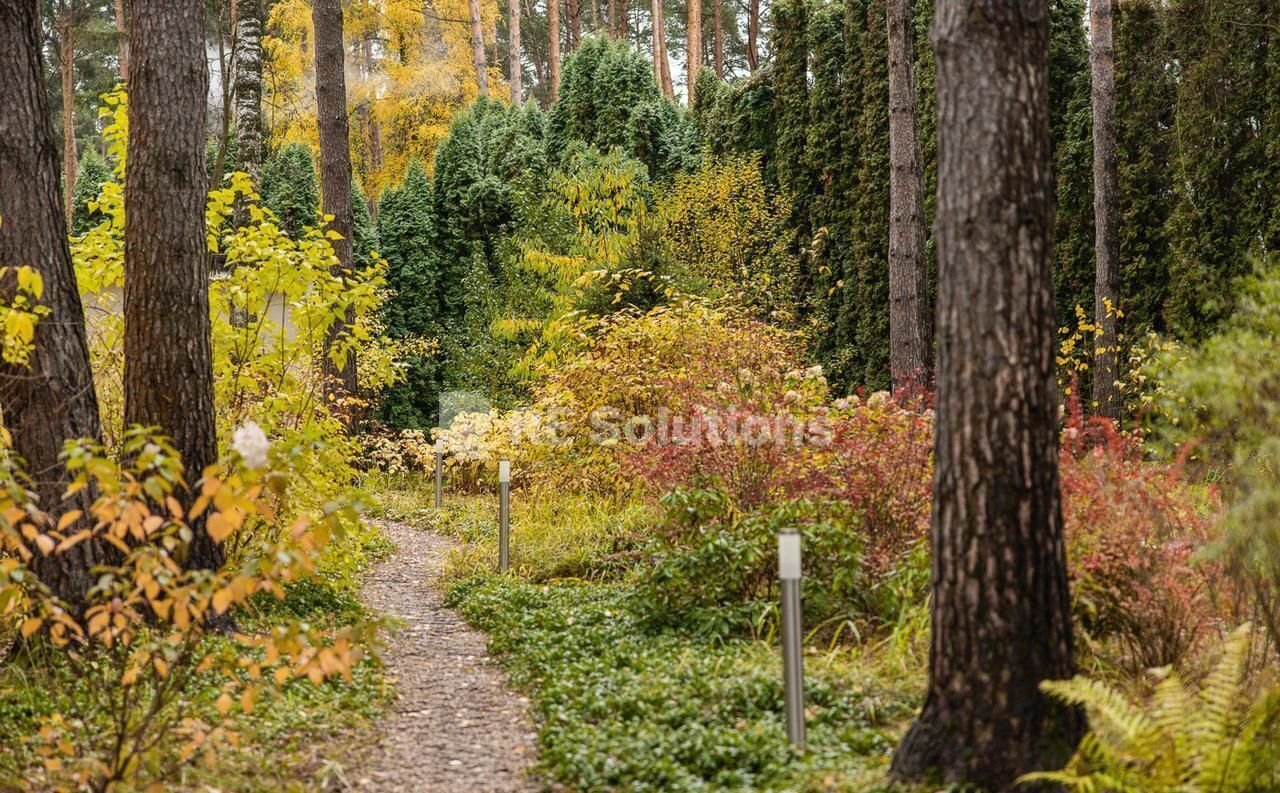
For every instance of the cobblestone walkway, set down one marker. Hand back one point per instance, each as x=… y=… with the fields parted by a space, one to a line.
x=455 y=726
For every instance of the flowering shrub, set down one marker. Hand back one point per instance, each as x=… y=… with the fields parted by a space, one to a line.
x=139 y=637
x=1136 y=531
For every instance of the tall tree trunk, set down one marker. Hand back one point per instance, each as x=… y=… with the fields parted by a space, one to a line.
x=910 y=317
x=668 y=86
x=613 y=18
x=718 y=37
x=67 y=69
x=1000 y=608
x=516 y=67
x=1106 y=362
x=228 y=103
x=753 y=36
x=251 y=132
x=573 y=14
x=624 y=22
x=168 y=358
x=372 y=124
x=694 y=54
x=477 y=48
x=655 y=11
x=553 y=47
x=122 y=40
x=52 y=398
x=335 y=165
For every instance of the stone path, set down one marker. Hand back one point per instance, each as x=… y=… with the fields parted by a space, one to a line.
x=455 y=726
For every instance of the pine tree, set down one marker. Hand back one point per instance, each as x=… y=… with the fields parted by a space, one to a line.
x=870 y=238
x=1146 y=94
x=94 y=172
x=290 y=189
x=1220 y=212
x=405 y=232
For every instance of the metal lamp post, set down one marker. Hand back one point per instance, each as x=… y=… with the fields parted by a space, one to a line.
x=792 y=635
x=504 y=515
x=439 y=473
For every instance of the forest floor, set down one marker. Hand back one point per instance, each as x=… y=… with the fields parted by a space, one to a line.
x=454 y=726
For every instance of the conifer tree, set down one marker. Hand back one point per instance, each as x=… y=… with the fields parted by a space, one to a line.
x=290 y=188
x=94 y=172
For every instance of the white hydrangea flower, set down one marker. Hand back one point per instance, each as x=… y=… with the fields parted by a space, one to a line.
x=252 y=444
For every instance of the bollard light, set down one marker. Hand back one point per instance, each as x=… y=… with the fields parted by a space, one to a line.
x=504 y=515
x=792 y=635
x=439 y=473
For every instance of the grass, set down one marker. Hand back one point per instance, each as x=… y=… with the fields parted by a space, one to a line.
x=622 y=707
x=553 y=536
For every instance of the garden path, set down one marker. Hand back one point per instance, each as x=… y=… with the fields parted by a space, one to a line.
x=455 y=726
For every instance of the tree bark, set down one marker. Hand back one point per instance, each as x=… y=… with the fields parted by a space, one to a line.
x=655 y=11
x=1000 y=609
x=335 y=167
x=516 y=67
x=694 y=54
x=753 y=36
x=122 y=40
x=624 y=26
x=51 y=399
x=573 y=15
x=668 y=85
x=67 y=70
x=477 y=48
x=910 y=317
x=553 y=47
x=1106 y=362
x=251 y=133
x=718 y=37
x=168 y=367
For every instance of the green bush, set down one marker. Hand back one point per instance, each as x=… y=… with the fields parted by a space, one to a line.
x=622 y=707
x=715 y=572
x=94 y=172
x=290 y=189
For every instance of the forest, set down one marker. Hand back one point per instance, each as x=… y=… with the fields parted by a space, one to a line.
x=876 y=396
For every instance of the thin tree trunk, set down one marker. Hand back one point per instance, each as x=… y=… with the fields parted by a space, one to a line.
x=694 y=54
x=516 y=67
x=51 y=399
x=228 y=103
x=668 y=86
x=553 y=43
x=168 y=358
x=753 y=36
x=477 y=48
x=372 y=125
x=122 y=40
x=67 y=69
x=655 y=11
x=613 y=18
x=251 y=132
x=624 y=21
x=718 y=37
x=335 y=168
x=573 y=15
x=1000 y=608
x=910 y=317
x=1106 y=363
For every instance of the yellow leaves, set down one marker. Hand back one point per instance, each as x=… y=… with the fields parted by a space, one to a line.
x=30 y=626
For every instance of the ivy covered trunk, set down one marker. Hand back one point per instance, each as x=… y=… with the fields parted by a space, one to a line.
x=1000 y=608
x=250 y=127
x=50 y=398
x=335 y=168
x=168 y=369
x=910 y=315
